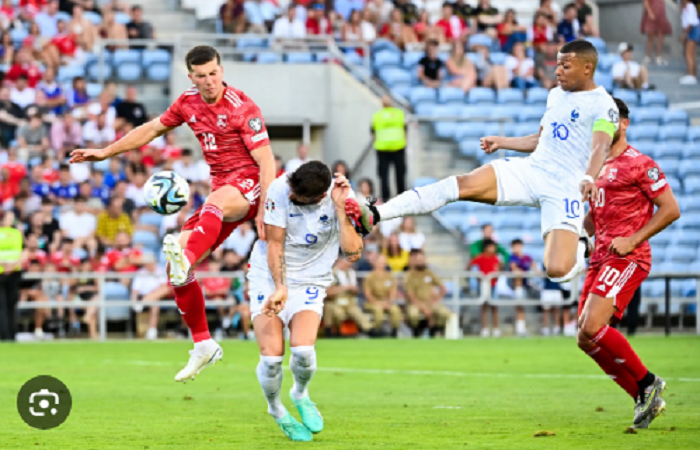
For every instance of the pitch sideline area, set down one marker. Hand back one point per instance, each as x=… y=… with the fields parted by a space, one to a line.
x=383 y=394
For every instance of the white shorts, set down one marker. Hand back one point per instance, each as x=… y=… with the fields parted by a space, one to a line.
x=521 y=184
x=301 y=298
x=549 y=296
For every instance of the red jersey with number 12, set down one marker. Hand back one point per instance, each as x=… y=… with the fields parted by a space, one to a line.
x=228 y=130
x=627 y=186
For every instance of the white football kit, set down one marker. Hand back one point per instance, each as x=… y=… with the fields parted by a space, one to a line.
x=311 y=247
x=549 y=179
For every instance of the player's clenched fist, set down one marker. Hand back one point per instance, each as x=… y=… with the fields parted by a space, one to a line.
x=622 y=246
x=87 y=155
x=275 y=303
x=490 y=144
x=588 y=190
x=340 y=191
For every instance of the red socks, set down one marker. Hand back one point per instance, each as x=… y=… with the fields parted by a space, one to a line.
x=615 y=344
x=190 y=302
x=205 y=234
x=616 y=371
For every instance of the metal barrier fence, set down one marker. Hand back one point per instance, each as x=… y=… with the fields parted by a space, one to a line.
x=456 y=299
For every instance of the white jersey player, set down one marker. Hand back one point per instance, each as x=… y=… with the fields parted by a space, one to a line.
x=574 y=140
x=306 y=227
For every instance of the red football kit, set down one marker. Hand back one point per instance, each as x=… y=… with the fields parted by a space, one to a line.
x=627 y=186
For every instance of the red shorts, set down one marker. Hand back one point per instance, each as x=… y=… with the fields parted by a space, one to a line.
x=618 y=279
x=248 y=183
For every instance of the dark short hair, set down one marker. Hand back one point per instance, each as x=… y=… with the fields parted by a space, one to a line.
x=23 y=77
x=310 y=180
x=488 y=242
x=63 y=167
x=623 y=108
x=201 y=54
x=516 y=242
x=46 y=201
x=186 y=152
x=487 y=224
x=583 y=49
x=80 y=198
x=415 y=251
x=66 y=241
x=569 y=6
x=136 y=8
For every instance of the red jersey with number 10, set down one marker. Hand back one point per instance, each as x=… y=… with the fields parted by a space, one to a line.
x=627 y=186
x=228 y=130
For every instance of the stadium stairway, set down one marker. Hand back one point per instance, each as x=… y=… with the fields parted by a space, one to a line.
x=167 y=18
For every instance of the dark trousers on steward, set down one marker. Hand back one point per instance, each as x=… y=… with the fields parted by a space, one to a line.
x=384 y=161
x=9 y=297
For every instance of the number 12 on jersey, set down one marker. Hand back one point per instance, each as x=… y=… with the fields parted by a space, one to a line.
x=209 y=141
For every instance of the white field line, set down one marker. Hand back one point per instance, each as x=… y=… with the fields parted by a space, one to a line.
x=445 y=373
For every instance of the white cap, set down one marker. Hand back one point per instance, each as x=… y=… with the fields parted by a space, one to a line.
x=625 y=47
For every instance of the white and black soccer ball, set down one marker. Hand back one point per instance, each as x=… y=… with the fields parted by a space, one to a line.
x=166 y=192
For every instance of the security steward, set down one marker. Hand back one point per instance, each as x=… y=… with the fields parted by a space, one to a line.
x=389 y=130
x=10 y=275
x=424 y=291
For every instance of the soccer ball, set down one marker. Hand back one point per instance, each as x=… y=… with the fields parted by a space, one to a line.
x=166 y=192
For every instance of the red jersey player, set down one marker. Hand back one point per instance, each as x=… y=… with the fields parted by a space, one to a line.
x=622 y=218
x=236 y=146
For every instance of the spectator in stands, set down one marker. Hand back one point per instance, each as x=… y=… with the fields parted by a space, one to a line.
x=551 y=10
x=409 y=11
x=21 y=94
x=97 y=134
x=425 y=31
x=302 y=157
x=64 y=47
x=478 y=247
x=381 y=293
x=409 y=238
x=465 y=12
x=104 y=104
x=487 y=18
x=519 y=263
x=341 y=303
x=137 y=28
x=46 y=230
x=65 y=189
x=115 y=173
x=135 y=190
x=36 y=44
x=491 y=75
x=288 y=27
x=366 y=188
x=11 y=116
x=86 y=290
x=232 y=16
x=316 y=21
x=569 y=27
x=397 y=31
x=110 y=29
x=119 y=192
x=66 y=135
x=424 y=292
x=540 y=33
x=396 y=257
x=130 y=110
x=656 y=26
x=55 y=98
x=352 y=29
x=32 y=139
x=346 y=7
x=342 y=168
x=520 y=68
x=24 y=66
x=7 y=48
x=78 y=98
x=452 y=26
x=510 y=32
x=83 y=28
x=629 y=74
x=691 y=38
x=546 y=65
x=279 y=166
x=430 y=67
x=112 y=221
x=123 y=257
x=380 y=10
x=488 y=262
x=48 y=19
x=39 y=186
x=584 y=14
x=217 y=288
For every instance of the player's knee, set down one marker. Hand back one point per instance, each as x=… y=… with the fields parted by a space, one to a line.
x=558 y=269
x=270 y=369
x=589 y=329
x=584 y=343
x=468 y=186
x=303 y=358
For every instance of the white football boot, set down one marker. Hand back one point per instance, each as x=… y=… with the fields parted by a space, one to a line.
x=179 y=264
x=205 y=353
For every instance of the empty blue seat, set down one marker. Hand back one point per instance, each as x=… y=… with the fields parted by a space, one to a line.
x=669 y=166
x=420 y=182
x=691 y=150
x=446 y=130
x=93 y=17
x=536 y=96
x=526 y=129
x=647 y=116
x=668 y=150
x=689 y=239
x=693 y=135
x=158 y=72
x=605 y=80
x=531 y=114
x=504 y=112
x=299 y=58
x=446 y=110
x=653 y=98
x=67 y=73
x=510 y=96
x=474 y=111
x=645 y=147
x=95 y=71
x=643 y=133
x=481 y=95
x=401 y=91
x=251 y=41
x=681 y=254
x=269 y=58
x=155 y=56
x=392 y=76
x=475 y=130
x=18 y=35
x=386 y=59
x=509 y=222
x=123 y=56
x=410 y=59
x=64 y=16
x=690 y=221
x=480 y=40
x=451 y=95
x=674 y=183
x=93 y=89
x=691 y=204
x=471 y=148
x=599 y=45
x=627 y=95
x=425 y=109
x=653 y=288
x=676 y=117
x=661 y=240
x=116 y=291
x=605 y=63
x=122 y=18
x=351 y=58
x=673 y=133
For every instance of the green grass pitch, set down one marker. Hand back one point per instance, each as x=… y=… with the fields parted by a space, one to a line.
x=374 y=394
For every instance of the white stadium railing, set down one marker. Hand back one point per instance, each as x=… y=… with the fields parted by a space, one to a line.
x=456 y=300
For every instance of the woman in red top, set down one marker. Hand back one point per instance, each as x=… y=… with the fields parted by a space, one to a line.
x=487 y=263
x=509 y=32
x=453 y=28
x=540 y=33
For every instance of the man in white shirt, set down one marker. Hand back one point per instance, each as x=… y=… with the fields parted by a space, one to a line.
x=97 y=133
x=190 y=170
x=241 y=240
x=289 y=27
x=629 y=74
x=151 y=284
x=78 y=224
x=302 y=157
x=135 y=191
x=22 y=95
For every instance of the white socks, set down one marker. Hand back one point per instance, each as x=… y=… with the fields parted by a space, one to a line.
x=520 y=327
x=421 y=200
x=303 y=366
x=578 y=267
x=269 y=373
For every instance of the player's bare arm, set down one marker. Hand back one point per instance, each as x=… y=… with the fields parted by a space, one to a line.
x=350 y=240
x=524 y=144
x=589 y=224
x=278 y=269
x=667 y=212
x=266 y=161
x=602 y=141
x=136 y=138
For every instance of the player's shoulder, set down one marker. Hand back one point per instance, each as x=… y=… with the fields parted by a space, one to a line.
x=279 y=188
x=601 y=98
x=635 y=157
x=237 y=99
x=190 y=94
x=555 y=94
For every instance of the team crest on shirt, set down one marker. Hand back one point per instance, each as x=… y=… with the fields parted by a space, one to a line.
x=612 y=174
x=221 y=120
x=614 y=115
x=325 y=221
x=255 y=124
x=653 y=174
x=575 y=114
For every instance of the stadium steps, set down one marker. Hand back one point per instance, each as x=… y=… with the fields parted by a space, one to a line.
x=167 y=18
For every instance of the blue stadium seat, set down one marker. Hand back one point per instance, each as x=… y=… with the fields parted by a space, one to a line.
x=158 y=72
x=481 y=95
x=410 y=59
x=536 y=96
x=480 y=39
x=451 y=95
x=446 y=130
x=676 y=117
x=661 y=240
x=116 y=291
x=392 y=76
x=599 y=45
x=123 y=56
x=484 y=158
x=424 y=181
x=351 y=58
x=447 y=111
x=422 y=94
x=384 y=45
x=690 y=221
x=605 y=80
x=653 y=98
x=639 y=133
x=605 y=63
x=510 y=97
x=653 y=288
x=526 y=129
x=455 y=207
x=146 y=239
x=498 y=58
x=669 y=166
x=475 y=130
x=691 y=150
x=673 y=133
x=693 y=135
x=474 y=111
x=152 y=219
x=129 y=71
x=401 y=91
x=385 y=59
x=425 y=109
x=67 y=73
x=269 y=58
x=18 y=35
x=471 y=148
x=95 y=70
x=64 y=16
x=675 y=183
x=509 y=222
x=668 y=150
x=690 y=239
x=149 y=57
x=504 y=112
x=627 y=95
x=647 y=116
x=645 y=147
x=681 y=254
x=251 y=41
x=689 y=168
x=531 y=114
x=122 y=18
x=299 y=58
x=94 y=90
